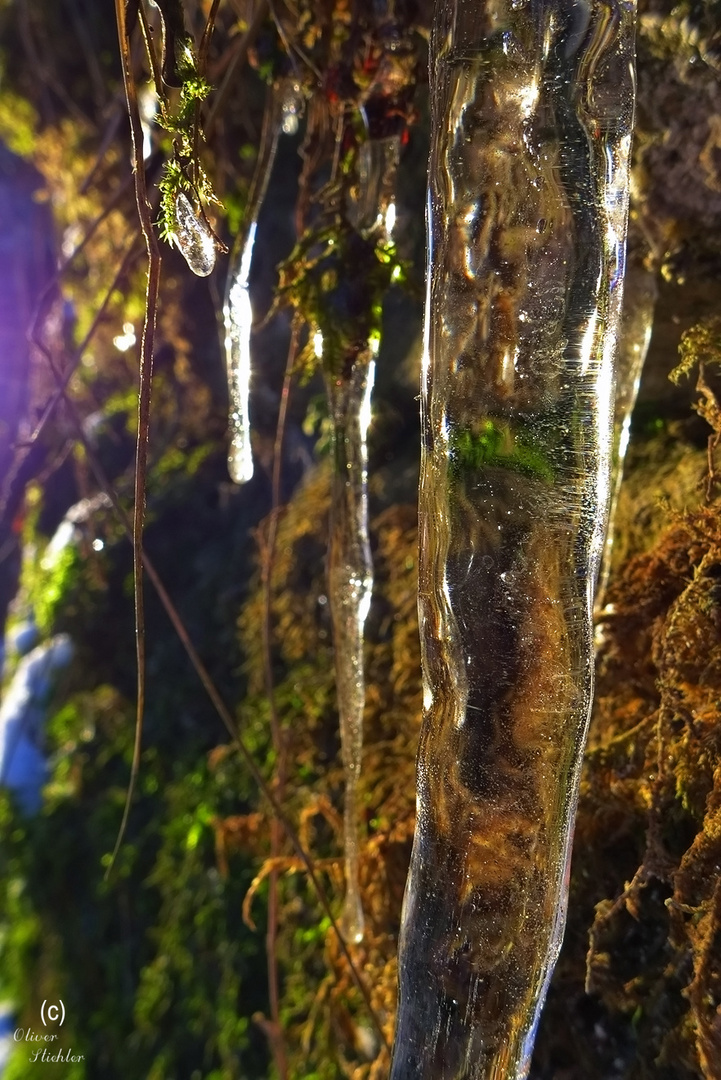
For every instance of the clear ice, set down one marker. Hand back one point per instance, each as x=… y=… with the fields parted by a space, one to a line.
x=371 y=211
x=193 y=238
x=639 y=302
x=238 y=318
x=350 y=584
x=285 y=108
x=531 y=119
x=375 y=191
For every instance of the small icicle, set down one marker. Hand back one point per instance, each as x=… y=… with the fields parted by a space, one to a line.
x=639 y=301
x=238 y=324
x=284 y=108
x=372 y=207
x=350 y=584
x=193 y=238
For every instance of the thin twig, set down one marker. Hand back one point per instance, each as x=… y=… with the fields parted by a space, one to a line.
x=258 y=187
x=279 y=743
x=151 y=53
x=207 y=35
x=109 y=136
x=291 y=47
x=145 y=377
x=220 y=707
x=197 y=131
x=238 y=59
x=48 y=292
x=64 y=379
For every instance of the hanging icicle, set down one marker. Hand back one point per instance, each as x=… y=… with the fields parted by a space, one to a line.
x=350 y=566
x=350 y=585
x=639 y=302
x=370 y=210
x=532 y=105
x=285 y=106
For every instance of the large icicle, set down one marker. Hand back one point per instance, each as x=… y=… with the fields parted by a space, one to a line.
x=284 y=107
x=532 y=104
x=350 y=584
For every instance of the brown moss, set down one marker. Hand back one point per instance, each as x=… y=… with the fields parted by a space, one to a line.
x=328 y=1030
x=648 y=841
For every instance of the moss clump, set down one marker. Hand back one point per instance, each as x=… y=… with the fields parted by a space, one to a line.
x=637 y=990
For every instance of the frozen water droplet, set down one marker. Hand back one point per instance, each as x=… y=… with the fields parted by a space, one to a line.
x=193 y=237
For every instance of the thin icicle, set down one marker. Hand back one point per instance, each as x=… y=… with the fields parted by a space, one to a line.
x=284 y=108
x=532 y=110
x=639 y=302
x=238 y=315
x=371 y=211
x=350 y=584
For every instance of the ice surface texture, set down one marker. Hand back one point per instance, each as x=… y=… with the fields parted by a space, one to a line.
x=532 y=109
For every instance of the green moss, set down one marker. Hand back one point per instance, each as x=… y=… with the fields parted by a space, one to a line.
x=498 y=444
x=48 y=576
x=182 y=1003
x=18 y=123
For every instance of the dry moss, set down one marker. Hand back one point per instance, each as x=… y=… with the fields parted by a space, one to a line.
x=653 y=779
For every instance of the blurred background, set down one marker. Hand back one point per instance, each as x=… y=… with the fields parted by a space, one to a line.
x=166 y=966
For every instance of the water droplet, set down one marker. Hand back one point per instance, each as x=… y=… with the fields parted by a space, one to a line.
x=291 y=109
